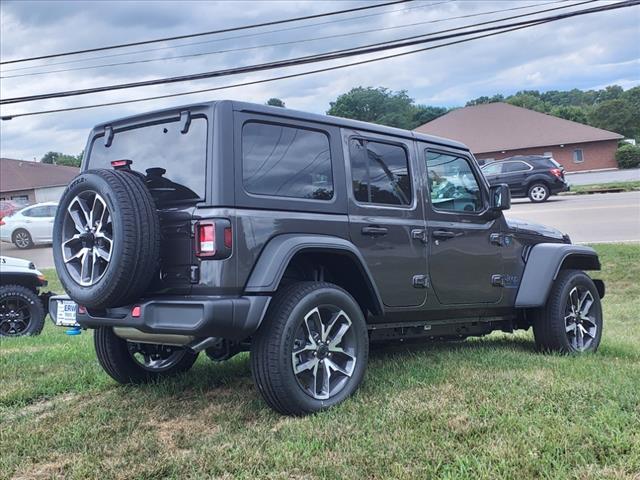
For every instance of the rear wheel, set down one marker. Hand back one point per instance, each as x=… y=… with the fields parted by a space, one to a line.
x=131 y=362
x=22 y=239
x=538 y=192
x=311 y=351
x=571 y=321
x=21 y=312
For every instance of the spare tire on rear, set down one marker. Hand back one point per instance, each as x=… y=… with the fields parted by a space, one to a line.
x=106 y=238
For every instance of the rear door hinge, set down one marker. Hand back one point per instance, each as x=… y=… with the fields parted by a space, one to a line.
x=420 y=281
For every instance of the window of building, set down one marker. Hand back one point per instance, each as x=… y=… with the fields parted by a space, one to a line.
x=286 y=161
x=379 y=172
x=20 y=198
x=578 y=156
x=452 y=183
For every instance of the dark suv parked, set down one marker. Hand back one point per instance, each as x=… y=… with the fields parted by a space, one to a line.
x=536 y=177
x=228 y=226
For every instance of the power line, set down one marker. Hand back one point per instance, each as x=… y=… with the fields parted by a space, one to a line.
x=292 y=42
x=234 y=37
x=201 y=34
x=333 y=55
x=272 y=79
x=326 y=69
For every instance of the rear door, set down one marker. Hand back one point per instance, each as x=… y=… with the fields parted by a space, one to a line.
x=514 y=174
x=386 y=216
x=465 y=260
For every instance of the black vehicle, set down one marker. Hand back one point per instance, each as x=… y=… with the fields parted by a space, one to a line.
x=536 y=177
x=227 y=226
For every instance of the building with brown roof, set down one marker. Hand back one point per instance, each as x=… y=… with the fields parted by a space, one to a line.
x=33 y=182
x=495 y=131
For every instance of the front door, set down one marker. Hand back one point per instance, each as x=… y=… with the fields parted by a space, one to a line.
x=465 y=261
x=386 y=220
x=514 y=174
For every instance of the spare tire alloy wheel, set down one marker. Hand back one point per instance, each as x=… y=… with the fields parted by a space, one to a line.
x=87 y=238
x=581 y=325
x=324 y=358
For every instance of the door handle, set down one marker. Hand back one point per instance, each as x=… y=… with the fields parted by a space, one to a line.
x=374 y=231
x=443 y=234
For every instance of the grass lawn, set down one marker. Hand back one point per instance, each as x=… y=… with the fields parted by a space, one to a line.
x=625 y=186
x=483 y=408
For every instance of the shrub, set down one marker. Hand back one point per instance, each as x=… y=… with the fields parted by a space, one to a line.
x=628 y=156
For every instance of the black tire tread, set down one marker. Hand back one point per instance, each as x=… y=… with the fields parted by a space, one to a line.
x=549 y=334
x=36 y=324
x=113 y=356
x=267 y=375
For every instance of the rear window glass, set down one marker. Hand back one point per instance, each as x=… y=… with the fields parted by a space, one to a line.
x=173 y=163
x=286 y=161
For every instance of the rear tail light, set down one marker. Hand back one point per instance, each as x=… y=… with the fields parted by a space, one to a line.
x=206 y=239
x=213 y=238
x=82 y=310
x=557 y=172
x=135 y=311
x=118 y=164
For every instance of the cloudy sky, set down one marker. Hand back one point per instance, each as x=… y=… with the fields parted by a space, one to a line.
x=584 y=52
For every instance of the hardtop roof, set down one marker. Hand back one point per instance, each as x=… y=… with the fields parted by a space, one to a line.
x=299 y=115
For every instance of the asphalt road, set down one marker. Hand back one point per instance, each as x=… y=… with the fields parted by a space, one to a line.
x=609 y=176
x=597 y=218
x=609 y=217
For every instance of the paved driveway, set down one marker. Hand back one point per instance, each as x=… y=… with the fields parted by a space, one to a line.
x=604 y=177
x=608 y=217
x=41 y=255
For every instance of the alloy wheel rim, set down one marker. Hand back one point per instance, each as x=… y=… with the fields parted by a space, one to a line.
x=538 y=193
x=324 y=352
x=155 y=357
x=87 y=238
x=22 y=239
x=580 y=322
x=14 y=316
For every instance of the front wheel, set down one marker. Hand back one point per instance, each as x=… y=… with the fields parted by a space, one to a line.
x=311 y=350
x=571 y=321
x=538 y=193
x=130 y=362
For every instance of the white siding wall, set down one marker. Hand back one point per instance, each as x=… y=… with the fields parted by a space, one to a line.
x=48 y=194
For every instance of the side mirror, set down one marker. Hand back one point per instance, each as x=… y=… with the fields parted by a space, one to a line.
x=500 y=197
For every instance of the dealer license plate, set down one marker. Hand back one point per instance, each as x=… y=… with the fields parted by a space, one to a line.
x=66 y=313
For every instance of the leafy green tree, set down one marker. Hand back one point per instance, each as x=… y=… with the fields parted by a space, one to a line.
x=615 y=116
x=570 y=112
x=57 y=158
x=482 y=100
x=275 y=102
x=383 y=106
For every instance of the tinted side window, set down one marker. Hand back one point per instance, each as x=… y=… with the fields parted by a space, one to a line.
x=452 y=184
x=286 y=161
x=511 y=167
x=379 y=172
x=492 y=169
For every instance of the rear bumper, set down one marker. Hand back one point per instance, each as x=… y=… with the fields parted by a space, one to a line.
x=233 y=318
x=559 y=186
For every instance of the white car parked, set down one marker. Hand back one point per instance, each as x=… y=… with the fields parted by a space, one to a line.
x=30 y=226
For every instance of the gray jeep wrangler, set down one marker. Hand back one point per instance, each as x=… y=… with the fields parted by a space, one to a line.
x=227 y=226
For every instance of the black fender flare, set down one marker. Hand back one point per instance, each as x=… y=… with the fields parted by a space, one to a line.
x=543 y=264
x=276 y=255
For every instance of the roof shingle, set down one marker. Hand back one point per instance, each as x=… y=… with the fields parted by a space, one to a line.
x=25 y=175
x=495 y=127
